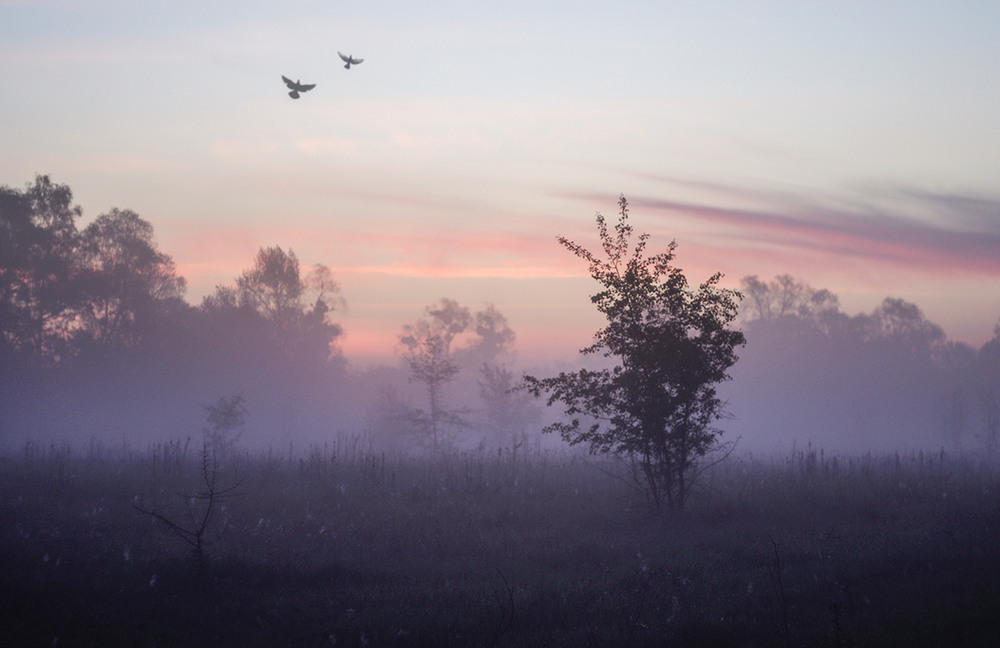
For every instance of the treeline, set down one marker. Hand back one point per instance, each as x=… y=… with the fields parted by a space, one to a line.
x=97 y=341
x=881 y=380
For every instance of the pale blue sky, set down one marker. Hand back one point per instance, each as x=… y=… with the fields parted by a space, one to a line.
x=853 y=144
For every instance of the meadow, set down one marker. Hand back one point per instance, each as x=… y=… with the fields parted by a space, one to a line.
x=345 y=546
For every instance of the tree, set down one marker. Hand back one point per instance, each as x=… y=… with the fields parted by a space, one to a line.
x=656 y=406
x=785 y=297
x=125 y=280
x=271 y=335
x=273 y=298
x=273 y=286
x=449 y=340
x=493 y=337
x=204 y=522
x=507 y=411
x=225 y=419
x=902 y=324
x=38 y=240
x=428 y=355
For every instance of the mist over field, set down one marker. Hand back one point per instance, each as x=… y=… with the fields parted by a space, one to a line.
x=105 y=350
x=222 y=474
x=100 y=347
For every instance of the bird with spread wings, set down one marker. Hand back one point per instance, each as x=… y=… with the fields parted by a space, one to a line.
x=350 y=60
x=296 y=87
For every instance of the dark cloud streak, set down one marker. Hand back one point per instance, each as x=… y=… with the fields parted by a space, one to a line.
x=965 y=237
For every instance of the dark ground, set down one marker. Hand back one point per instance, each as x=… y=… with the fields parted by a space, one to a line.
x=496 y=550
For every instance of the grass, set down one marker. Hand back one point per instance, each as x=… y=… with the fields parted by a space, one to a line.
x=349 y=548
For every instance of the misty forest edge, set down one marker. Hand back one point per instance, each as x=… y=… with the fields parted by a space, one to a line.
x=96 y=333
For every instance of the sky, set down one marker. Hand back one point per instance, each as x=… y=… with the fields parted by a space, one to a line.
x=854 y=145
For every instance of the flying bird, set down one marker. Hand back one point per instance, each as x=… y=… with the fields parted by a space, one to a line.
x=296 y=87
x=350 y=60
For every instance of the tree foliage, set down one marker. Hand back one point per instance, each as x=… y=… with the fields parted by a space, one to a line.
x=38 y=238
x=95 y=334
x=290 y=311
x=671 y=345
x=782 y=297
x=63 y=289
x=125 y=278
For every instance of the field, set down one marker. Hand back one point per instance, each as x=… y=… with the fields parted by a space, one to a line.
x=345 y=547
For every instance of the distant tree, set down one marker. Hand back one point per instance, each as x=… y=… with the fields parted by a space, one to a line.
x=784 y=297
x=985 y=372
x=271 y=334
x=508 y=411
x=273 y=299
x=38 y=241
x=427 y=353
x=492 y=337
x=448 y=340
x=903 y=324
x=226 y=419
x=273 y=286
x=672 y=344
x=125 y=280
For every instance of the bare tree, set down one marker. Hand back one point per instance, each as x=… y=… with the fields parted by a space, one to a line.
x=199 y=524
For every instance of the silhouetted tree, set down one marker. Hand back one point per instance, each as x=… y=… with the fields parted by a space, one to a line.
x=38 y=241
x=125 y=280
x=672 y=345
x=812 y=370
x=94 y=327
x=275 y=300
x=273 y=287
x=203 y=522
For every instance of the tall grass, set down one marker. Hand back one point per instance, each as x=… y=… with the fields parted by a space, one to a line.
x=345 y=543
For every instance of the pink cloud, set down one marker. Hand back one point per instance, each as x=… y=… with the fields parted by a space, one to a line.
x=207 y=255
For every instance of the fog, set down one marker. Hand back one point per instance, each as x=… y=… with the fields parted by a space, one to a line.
x=100 y=347
x=221 y=474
